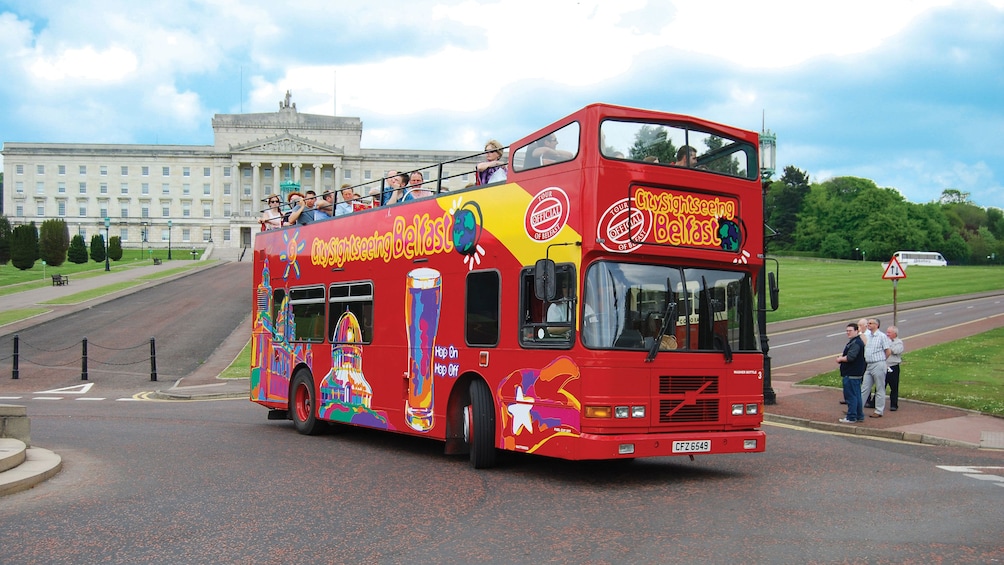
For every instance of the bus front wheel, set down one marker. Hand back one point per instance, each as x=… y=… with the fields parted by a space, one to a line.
x=303 y=403
x=479 y=426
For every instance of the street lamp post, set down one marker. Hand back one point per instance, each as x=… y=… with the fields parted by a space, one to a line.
x=768 y=161
x=142 y=243
x=169 y=224
x=108 y=224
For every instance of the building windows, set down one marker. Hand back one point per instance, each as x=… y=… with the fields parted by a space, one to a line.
x=347 y=174
x=367 y=175
x=19 y=187
x=226 y=234
x=40 y=209
x=166 y=171
x=124 y=188
x=145 y=171
x=40 y=169
x=207 y=210
x=206 y=171
x=125 y=170
x=165 y=188
x=104 y=170
x=124 y=234
x=186 y=171
x=83 y=188
x=61 y=187
x=327 y=175
x=246 y=209
x=144 y=188
x=165 y=210
x=308 y=173
x=247 y=173
x=165 y=234
x=39 y=187
x=186 y=234
x=226 y=189
x=247 y=190
x=103 y=211
x=144 y=212
x=83 y=210
x=83 y=169
x=103 y=188
x=62 y=169
x=227 y=209
x=19 y=169
x=186 y=189
x=61 y=206
x=226 y=172
x=207 y=235
x=125 y=211
x=268 y=173
x=205 y=189
x=19 y=210
x=186 y=209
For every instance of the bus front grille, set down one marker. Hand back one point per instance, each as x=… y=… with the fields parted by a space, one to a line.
x=688 y=398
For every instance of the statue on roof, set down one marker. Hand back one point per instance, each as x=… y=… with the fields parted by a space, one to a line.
x=286 y=103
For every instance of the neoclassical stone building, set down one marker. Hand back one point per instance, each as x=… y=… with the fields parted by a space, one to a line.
x=192 y=195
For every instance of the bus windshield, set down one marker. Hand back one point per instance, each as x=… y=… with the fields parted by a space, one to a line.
x=677 y=146
x=625 y=305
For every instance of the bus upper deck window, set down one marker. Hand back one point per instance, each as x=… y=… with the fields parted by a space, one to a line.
x=557 y=146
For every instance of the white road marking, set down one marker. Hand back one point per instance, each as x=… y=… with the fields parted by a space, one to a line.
x=10 y=398
x=47 y=398
x=90 y=398
x=978 y=473
x=787 y=344
x=76 y=389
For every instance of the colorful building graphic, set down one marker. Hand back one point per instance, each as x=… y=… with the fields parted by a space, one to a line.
x=345 y=396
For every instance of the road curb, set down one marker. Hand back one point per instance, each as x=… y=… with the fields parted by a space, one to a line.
x=858 y=430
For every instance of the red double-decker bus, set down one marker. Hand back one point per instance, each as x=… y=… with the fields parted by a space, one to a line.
x=599 y=303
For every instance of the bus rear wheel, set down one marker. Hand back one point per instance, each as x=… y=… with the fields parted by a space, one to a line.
x=479 y=426
x=302 y=404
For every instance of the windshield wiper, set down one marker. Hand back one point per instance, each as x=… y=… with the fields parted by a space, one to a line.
x=668 y=315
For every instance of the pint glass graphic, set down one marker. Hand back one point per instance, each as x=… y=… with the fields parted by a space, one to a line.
x=422 y=302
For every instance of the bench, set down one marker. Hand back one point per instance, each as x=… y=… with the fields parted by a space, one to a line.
x=60 y=280
x=157 y=261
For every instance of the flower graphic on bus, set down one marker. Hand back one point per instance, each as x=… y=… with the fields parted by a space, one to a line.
x=292 y=252
x=467 y=226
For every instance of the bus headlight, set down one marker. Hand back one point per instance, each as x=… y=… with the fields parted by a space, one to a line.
x=749 y=444
x=751 y=409
x=737 y=409
x=621 y=412
x=637 y=411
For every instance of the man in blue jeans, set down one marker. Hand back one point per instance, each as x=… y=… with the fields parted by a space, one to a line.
x=852 y=370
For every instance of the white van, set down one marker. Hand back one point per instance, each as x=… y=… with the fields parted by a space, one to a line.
x=923 y=258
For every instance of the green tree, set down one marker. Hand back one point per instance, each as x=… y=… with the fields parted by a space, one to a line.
x=114 y=248
x=783 y=202
x=956 y=250
x=5 y=233
x=98 y=247
x=652 y=141
x=53 y=241
x=24 y=246
x=953 y=196
x=995 y=222
x=77 y=252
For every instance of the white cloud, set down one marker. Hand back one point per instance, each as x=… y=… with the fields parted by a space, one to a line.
x=87 y=63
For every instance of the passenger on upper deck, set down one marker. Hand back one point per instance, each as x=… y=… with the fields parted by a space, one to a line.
x=415 y=190
x=325 y=206
x=686 y=156
x=271 y=218
x=345 y=206
x=492 y=169
x=545 y=152
x=391 y=192
x=294 y=199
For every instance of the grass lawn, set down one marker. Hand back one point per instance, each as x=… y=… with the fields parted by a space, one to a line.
x=809 y=287
x=241 y=367
x=967 y=373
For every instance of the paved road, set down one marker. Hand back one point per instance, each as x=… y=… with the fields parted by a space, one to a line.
x=188 y=318
x=215 y=482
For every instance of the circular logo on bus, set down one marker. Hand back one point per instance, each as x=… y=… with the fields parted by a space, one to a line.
x=546 y=214
x=622 y=227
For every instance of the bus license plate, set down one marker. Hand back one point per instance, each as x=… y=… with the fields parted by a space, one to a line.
x=699 y=446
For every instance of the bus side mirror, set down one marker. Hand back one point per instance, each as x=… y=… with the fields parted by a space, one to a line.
x=772 y=286
x=544 y=284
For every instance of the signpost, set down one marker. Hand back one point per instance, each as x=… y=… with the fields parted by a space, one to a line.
x=894 y=271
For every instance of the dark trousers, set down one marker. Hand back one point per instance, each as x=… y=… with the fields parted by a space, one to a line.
x=892 y=379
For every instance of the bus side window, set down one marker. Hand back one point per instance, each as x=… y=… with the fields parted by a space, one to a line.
x=482 y=319
x=548 y=323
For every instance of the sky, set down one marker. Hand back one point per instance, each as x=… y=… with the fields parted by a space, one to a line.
x=907 y=93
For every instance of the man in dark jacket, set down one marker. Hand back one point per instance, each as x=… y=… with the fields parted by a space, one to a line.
x=852 y=370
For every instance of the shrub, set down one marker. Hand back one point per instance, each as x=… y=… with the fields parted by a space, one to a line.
x=77 y=253
x=115 y=248
x=24 y=246
x=53 y=241
x=98 y=247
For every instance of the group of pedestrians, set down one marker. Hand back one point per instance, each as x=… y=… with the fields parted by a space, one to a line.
x=870 y=359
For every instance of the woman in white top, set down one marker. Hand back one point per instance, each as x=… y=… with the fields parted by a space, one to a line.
x=271 y=218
